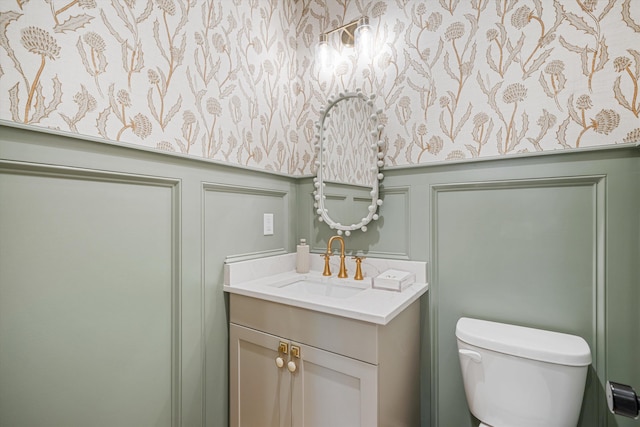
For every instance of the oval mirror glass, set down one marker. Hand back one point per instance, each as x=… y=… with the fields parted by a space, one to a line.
x=349 y=157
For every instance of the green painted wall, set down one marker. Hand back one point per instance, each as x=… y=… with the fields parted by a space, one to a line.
x=549 y=241
x=111 y=274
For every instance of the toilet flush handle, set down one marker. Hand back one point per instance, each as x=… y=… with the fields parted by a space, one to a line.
x=473 y=355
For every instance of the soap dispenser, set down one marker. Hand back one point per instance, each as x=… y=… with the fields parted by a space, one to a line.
x=302 y=257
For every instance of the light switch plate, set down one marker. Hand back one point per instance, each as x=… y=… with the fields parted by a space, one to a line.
x=268 y=224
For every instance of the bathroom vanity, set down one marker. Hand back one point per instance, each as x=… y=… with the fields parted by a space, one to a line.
x=307 y=350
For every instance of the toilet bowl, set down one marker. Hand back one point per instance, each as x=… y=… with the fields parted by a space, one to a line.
x=521 y=377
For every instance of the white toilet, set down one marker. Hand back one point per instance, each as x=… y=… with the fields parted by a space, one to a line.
x=521 y=377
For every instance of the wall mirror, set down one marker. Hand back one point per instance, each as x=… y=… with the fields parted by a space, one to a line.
x=349 y=157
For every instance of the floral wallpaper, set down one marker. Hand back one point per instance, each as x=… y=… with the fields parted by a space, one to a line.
x=474 y=78
x=207 y=78
x=236 y=80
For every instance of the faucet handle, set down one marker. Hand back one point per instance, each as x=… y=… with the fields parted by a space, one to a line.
x=327 y=270
x=358 y=275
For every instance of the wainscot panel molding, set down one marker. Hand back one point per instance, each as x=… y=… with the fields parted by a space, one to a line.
x=549 y=241
x=232 y=226
x=522 y=218
x=204 y=208
x=395 y=214
x=475 y=222
x=61 y=315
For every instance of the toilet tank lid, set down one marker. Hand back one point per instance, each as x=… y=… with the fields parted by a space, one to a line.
x=530 y=343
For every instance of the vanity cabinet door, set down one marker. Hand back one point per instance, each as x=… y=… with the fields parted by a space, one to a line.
x=260 y=390
x=333 y=390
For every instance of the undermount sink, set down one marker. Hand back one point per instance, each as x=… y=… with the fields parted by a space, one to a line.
x=334 y=288
x=274 y=279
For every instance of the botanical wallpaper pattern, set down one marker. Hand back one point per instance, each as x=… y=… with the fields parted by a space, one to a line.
x=207 y=78
x=236 y=81
x=473 y=78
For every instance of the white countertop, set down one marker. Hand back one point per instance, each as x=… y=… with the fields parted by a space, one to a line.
x=267 y=279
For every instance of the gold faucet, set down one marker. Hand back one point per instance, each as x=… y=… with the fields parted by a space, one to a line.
x=343 y=269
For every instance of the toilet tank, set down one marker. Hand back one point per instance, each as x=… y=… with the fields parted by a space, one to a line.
x=519 y=376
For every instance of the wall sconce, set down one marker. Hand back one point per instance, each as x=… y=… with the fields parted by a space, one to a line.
x=356 y=33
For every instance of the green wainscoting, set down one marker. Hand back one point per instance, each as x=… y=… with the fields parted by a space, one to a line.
x=546 y=241
x=111 y=270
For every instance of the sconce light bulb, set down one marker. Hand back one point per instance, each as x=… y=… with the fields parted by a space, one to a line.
x=380 y=177
x=372 y=208
x=320 y=219
x=374 y=133
x=317 y=197
x=315 y=205
x=347 y=233
x=375 y=217
x=364 y=228
x=319 y=211
x=380 y=127
x=379 y=202
x=317 y=184
x=373 y=193
x=380 y=163
x=324 y=53
x=380 y=143
x=380 y=155
x=339 y=232
x=364 y=38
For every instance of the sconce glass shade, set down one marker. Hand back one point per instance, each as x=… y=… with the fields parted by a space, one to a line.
x=324 y=53
x=364 y=38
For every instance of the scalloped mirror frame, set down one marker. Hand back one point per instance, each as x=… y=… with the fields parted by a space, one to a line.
x=320 y=147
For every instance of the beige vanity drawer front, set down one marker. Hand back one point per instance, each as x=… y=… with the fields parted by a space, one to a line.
x=349 y=337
